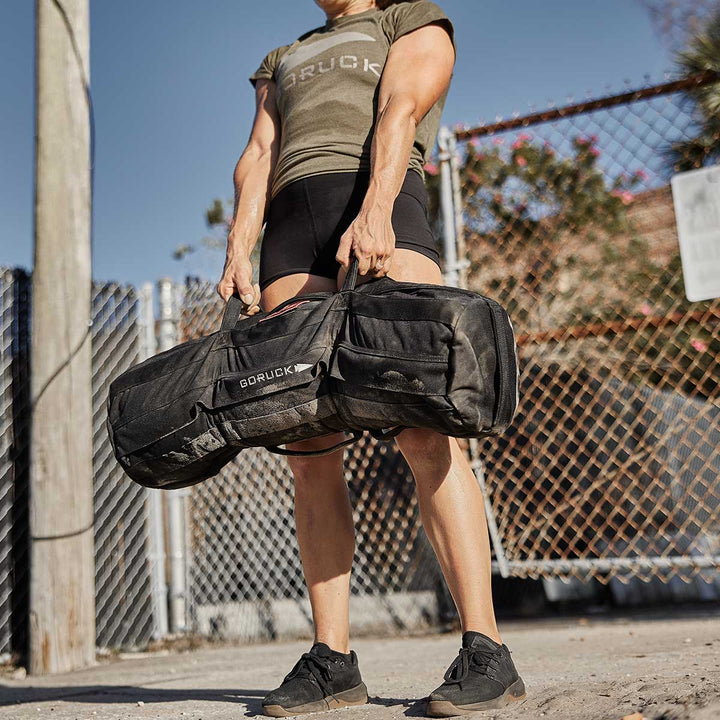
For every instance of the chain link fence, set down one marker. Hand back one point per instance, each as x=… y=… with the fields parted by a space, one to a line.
x=246 y=576
x=122 y=572
x=610 y=470
x=123 y=600
x=611 y=467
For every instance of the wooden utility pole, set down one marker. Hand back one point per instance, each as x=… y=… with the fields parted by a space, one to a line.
x=62 y=584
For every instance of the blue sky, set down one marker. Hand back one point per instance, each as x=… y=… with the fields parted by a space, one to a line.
x=173 y=106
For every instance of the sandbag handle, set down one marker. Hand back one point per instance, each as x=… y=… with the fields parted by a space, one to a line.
x=316 y=453
x=233 y=310
x=351 y=277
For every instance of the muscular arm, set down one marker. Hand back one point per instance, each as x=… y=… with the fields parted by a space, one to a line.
x=417 y=72
x=252 y=179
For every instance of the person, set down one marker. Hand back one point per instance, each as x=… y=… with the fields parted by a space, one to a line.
x=346 y=117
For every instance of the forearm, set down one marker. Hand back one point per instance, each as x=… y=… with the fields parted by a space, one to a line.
x=416 y=74
x=390 y=154
x=370 y=237
x=252 y=179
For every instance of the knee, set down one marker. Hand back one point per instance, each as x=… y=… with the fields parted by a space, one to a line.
x=425 y=448
x=315 y=469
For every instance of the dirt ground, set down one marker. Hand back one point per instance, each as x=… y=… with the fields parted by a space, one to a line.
x=574 y=669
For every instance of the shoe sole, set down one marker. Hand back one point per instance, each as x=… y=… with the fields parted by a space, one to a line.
x=346 y=698
x=444 y=708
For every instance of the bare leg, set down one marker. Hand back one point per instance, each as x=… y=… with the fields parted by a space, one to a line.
x=453 y=515
x=323 y=514
x=451 y=504
x=326 y=537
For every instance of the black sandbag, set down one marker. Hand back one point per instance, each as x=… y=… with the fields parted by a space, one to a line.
x=421 y=355
x=178 y=417
x=381 y=357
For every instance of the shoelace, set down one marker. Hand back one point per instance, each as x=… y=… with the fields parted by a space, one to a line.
x=462 y=663
x=313 y=666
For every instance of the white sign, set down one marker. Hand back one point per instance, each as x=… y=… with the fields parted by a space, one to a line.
x=696 y=195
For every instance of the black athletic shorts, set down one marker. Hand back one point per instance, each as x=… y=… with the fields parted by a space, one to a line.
x=307 y=218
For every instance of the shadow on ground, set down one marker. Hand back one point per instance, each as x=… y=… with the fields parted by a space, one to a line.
x=105 y=694
x=128 y=693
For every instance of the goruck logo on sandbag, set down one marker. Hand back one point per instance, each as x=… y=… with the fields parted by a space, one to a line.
x=268 y=375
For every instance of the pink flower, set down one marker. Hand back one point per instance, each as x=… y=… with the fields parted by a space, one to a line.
x=498 y=141
x=524 y=136
x=699 y=345
x=594 y=139
x=582 y=140
x=473 y=177
x=645 y=309
x=475 y=142
x=641 y=174
x=431 y=169
x=517 y=144
x=521 y=161
x=625 y=195
x=594 y=152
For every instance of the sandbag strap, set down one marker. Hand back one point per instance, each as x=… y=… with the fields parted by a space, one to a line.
x=387 y=434
x=356 y=435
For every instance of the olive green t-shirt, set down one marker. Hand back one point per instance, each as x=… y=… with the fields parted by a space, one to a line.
x=326 y=91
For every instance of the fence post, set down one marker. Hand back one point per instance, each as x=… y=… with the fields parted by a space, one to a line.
x=479 y=472
x=175 y=499
x=155 y=520
x=446 y=141
x=456 y=265
x=461 y=260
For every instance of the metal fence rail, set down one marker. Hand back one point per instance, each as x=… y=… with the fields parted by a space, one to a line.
x=612 y=465
x=14 y=458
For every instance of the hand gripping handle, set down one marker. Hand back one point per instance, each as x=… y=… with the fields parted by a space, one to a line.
x=232 y=313
x=234 y=306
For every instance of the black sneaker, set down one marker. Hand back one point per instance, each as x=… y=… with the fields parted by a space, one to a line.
x=322 y=679
x=482 y=677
